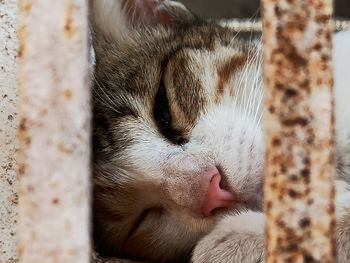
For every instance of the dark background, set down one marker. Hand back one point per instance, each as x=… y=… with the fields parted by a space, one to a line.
x=245 y=8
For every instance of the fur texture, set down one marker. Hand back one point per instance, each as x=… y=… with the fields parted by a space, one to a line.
x=176 y=96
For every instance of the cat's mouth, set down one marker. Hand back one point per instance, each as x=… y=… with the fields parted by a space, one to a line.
x=224 y=183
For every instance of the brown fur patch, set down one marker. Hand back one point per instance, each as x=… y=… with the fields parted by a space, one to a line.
x=185 y=91
x=227 y=70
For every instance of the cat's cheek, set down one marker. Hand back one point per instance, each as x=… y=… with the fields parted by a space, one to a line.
x=235 y=239
x=342 y=198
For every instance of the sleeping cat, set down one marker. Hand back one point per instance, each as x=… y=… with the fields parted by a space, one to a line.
x=178 y=139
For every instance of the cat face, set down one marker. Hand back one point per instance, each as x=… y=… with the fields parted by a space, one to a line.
x=177 y=135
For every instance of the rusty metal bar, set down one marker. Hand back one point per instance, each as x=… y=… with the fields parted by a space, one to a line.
x=300 y=164
x=248 y=25
x=54 y=132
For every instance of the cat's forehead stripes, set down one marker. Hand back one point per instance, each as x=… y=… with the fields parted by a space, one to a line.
x=185 y=90
x=226 y=71
x=195 y=78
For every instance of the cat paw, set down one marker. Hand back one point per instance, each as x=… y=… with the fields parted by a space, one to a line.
x=237 y=238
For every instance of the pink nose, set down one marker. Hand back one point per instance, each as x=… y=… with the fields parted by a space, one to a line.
x=215 y=197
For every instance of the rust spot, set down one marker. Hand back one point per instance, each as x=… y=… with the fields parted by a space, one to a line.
x=22 y=34
x=69 y=26
x=309 y=259
x=43 y=112
x=310 y=139
x=268 y=205
x=21 y=169
x=322 y=19
x=302 y=121
x=25 y=6
x=305 y=173
x=317 y=46
x=68 y=94
x=55 y=201
x=290 y=93
x=278 y=11
x=306 y=161
x=272 y=109
x=273 y=185
x=22 y=125
x=310 y=201
x=291 y=247
x=305 y=84
x=27 y=140
x=279 y=86
x=64 y=148
x=276 y=141
x=23 y=136
x=283 y=169
x=304 y=222
x=331 y=208
x=293 y=194
x=21 y=248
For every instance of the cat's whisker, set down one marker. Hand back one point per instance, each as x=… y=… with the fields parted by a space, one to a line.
x=110 y=105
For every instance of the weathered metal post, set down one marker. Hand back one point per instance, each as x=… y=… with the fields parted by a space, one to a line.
x=8 y=128
x=300 y=164
x=54 y=165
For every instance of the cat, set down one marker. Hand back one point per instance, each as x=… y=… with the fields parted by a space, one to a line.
x=178 y=144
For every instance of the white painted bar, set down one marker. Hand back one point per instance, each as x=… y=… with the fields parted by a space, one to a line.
x=54 y=164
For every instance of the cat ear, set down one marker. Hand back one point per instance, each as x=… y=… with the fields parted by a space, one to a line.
x=118 y=18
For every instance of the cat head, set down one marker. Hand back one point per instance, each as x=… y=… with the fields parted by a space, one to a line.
x=177 y=139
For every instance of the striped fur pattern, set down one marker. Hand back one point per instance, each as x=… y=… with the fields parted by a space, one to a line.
x=173 y=96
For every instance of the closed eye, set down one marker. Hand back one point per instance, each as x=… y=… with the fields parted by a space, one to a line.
x=161 y=108
x=163 y=117
x=143 y=217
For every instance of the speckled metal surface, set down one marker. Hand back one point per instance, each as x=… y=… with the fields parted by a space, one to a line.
x=54 y=132
x=249 y=25
x=8 y=132
x=300 y=163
